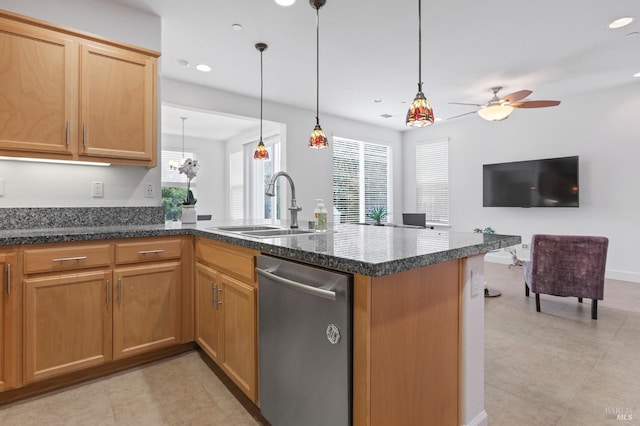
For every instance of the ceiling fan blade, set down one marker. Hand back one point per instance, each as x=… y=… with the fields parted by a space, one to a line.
x=534 y=104
x=516 y=96
x=461 y=115
x=464 y=103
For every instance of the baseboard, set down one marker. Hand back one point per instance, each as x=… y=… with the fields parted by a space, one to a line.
x=480 y=420
x=504 y=258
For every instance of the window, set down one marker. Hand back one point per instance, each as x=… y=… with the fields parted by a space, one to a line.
x=361 y=179
x=432 y=180
x=174 y=184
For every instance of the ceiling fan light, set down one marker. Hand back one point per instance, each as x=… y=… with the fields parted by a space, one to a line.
x=495 y=112
x=318 y=139
x=420 y=114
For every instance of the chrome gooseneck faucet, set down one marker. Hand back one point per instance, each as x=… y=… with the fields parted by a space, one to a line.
x=294 y=209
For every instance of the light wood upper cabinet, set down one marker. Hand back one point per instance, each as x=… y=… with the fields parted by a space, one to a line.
x=117 y=103
x=66 y=95
x=67 y=323
x=38 y=90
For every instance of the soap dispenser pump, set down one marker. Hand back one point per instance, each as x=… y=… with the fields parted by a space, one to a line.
x=320 y=214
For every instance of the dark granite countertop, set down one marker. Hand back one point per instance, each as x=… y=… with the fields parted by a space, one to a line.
x=362 y=249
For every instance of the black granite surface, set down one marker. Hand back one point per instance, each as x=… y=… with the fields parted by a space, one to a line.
x=367 y=250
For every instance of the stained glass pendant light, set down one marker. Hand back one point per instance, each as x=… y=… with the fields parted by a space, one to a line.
x=261 y=152
x=420 y=114
x=318 y=139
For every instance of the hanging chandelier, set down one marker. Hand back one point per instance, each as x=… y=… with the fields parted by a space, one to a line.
x=261 y=152
x=420 y=114
x=318 y=139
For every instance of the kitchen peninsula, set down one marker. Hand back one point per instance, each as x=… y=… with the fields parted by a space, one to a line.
x=417 y=314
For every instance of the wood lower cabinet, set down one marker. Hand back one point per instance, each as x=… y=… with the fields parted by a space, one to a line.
x=226 y=311
x=71 y=96
x=146 y=311
x=9 y=297
x=67 y=323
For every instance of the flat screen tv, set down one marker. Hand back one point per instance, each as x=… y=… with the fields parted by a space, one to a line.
x=551 y=182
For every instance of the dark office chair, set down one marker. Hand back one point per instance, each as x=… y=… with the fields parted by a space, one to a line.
x=567 y=265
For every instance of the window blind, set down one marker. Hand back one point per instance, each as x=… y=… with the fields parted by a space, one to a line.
x=432 y=180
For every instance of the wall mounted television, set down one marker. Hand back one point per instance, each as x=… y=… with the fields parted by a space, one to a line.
x=550 y=182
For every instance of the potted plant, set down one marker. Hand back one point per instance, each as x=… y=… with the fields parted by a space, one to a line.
x=377 y=214
x=190 y=169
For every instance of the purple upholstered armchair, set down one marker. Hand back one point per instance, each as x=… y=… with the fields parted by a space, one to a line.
x=567 y=265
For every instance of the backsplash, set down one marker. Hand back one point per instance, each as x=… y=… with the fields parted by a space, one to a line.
x=65 y=217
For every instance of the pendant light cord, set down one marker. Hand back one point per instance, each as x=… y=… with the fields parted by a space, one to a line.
x=419 y=45
x=261 y=93
x=317 y=65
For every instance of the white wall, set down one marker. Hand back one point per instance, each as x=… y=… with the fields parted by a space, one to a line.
x=310 y=169
x=602 y=128
x=49 y=185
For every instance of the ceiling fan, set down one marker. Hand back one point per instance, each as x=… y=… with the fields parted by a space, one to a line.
x=498 y=109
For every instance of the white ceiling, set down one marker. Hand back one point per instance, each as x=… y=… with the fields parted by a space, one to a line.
x=369 y=50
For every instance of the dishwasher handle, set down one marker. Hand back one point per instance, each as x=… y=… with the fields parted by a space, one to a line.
x=314 y=291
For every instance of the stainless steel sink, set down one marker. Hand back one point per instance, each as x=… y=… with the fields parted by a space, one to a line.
x=244 y=228
x=277 y=233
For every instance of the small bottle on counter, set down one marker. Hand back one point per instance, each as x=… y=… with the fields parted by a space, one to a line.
x=320 y=214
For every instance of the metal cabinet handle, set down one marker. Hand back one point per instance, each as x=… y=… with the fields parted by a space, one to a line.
x=108 y=293
x=119 y=291
x=84 y=135
x=218 y=301
x=314 y=291
x=150 y=251
x=8 y=278
x=67 y=259
x=66 y=133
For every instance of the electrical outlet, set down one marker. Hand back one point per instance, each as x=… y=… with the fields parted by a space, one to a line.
x=97 y=189
x=525 y=246
x=149 y=190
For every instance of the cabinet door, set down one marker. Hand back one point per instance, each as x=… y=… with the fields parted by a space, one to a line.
x=118 y=105
x=67 y=323
x=8 y=319
x=209 y=312
x=146 y=310
x=38 y=89
x=239 y=304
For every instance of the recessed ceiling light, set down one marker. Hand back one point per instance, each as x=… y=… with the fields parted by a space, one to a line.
x=637 y=74
x=621 y=22
x=203 y=67
x=386 y=115
x=183 y=63
x=377 y=100
x=349 y=90
x=285 y=2
x=236 y=27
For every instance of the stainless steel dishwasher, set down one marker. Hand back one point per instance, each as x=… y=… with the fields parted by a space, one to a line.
x=305 y=320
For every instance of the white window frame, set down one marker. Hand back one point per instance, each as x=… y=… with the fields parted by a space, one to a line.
x=432 y=180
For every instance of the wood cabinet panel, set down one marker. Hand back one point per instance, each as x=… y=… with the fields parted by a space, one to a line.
x=9 y=295
x=117 y=103
x=209 y=314
x=37 y=88
x=67 y=323
x=66 y=258
x=146 y=311
x=240 y=336
x=236 y=261
x=148 y=251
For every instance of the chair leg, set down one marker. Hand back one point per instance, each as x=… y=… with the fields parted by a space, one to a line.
x=537 y=302
x=526 y=289
x=579 y=299
x=594 y=309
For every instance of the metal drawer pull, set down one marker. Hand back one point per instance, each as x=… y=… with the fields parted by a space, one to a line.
x=151 y=251
x=67 y=259
x=108 y=295
x=8 y=278
x=218 y=301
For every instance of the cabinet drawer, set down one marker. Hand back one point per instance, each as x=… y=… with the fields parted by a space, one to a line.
x=235 y=261
x=148 y=251
x=64 y=258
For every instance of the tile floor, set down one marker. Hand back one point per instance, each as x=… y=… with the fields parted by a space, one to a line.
x=557 y=367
